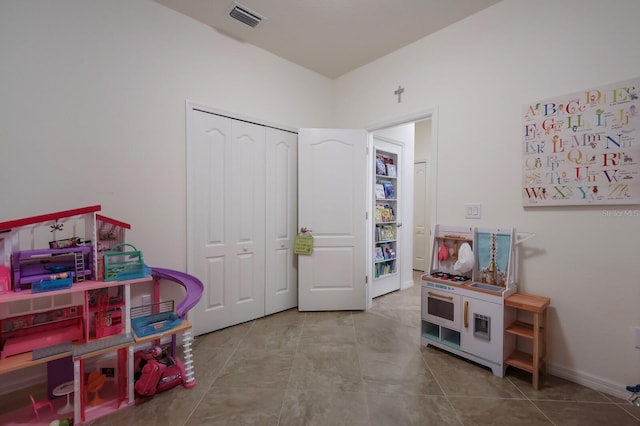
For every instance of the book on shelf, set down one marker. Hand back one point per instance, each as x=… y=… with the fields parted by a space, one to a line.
x=389 y=190
x=388 y=252
x=391 y=212
x=387 y=233
x=378 y=214
x=385 y=268
x=381 y=167
x=380 y=194
x=379 y=254
x=391 y=170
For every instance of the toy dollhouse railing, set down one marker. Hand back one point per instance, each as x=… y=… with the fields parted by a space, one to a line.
x=152 y=308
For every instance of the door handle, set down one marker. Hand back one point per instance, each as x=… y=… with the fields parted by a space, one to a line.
x=449 y=298
x=466 y=314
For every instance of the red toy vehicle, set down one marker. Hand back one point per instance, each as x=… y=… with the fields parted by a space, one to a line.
x=155 y=372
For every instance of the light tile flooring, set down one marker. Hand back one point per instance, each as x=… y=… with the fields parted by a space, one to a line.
x=359 y=368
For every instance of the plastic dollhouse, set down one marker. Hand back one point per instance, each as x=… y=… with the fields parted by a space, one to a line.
x=65 y=282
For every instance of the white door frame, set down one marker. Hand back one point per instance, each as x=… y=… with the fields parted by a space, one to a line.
x=432 y=114
x=423 y=216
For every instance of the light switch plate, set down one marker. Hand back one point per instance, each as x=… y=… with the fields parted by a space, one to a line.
x=473 y=211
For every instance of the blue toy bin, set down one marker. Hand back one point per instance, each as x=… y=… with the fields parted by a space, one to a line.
x=156 y=323
x=121 y=264
x=53 y=284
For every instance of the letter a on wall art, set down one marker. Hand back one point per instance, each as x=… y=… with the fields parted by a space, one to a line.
x=583 y=148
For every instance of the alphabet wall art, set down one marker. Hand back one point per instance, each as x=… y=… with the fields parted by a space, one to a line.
x=583 y=148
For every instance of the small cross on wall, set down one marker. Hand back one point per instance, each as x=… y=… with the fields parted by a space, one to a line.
x=398 y=93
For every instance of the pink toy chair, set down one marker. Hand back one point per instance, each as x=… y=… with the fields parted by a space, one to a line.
x=37 y=405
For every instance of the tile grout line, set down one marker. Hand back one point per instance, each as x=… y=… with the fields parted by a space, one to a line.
x=204 y=394
x=444 y=394
x=293 y=361
x=364 y=391
x=530 y=400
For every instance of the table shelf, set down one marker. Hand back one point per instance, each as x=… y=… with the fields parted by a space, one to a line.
x=521 y=329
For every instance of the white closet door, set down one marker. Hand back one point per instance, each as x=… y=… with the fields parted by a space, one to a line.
x=226 y=222
x=247 y=230
x=281 y=273
x=209 y=247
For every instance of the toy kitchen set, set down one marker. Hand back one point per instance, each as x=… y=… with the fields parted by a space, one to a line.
x=472 y=271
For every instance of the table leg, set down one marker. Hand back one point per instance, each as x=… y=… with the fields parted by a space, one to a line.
x=67 y=408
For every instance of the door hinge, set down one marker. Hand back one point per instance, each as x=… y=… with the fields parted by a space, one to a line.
x=366 y=279
x=366 y=215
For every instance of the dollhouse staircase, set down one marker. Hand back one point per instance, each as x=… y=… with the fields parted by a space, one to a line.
x=80 y=267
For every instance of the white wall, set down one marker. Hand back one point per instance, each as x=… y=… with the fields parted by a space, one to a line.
x=92 y=109
x=478 y=74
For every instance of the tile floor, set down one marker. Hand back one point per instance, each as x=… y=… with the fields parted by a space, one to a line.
x=359 y=368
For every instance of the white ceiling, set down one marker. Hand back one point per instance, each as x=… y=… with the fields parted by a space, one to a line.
x=331 y=37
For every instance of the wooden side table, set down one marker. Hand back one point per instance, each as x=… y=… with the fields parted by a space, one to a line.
x=537 y=360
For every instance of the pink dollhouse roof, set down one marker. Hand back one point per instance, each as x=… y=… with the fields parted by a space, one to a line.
x=113 y=221
x=5 y=226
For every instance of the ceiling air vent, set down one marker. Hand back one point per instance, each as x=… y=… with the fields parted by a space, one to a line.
x=245 y=15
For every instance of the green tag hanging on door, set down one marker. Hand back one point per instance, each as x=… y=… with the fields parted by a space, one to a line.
x=303 y=245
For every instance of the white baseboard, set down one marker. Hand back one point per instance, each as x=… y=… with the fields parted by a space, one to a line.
x=617 y=390
x=406 y=285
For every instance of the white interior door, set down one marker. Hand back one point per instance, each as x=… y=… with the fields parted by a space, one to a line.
x=420 y=228
x=332 y=177
x=281 y=273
